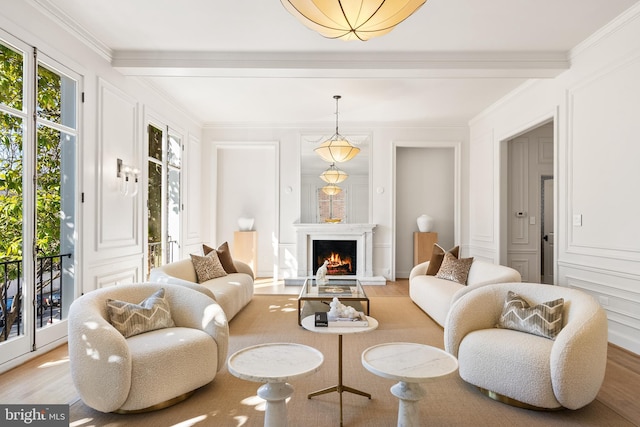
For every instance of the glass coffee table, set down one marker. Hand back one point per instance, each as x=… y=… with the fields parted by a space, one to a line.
x=318 y=297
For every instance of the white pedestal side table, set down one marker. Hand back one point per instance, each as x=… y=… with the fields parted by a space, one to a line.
x=274 y=364
x=309 y=324
x=410 y=364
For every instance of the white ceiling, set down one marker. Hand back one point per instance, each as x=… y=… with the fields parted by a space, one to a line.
x=250 y=61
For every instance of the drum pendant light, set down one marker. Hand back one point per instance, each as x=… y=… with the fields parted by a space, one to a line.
x=352 y=19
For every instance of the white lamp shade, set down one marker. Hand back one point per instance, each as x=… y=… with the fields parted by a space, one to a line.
x=333 y=175
x=336 y=150
x=331 y=190
x=352 y=19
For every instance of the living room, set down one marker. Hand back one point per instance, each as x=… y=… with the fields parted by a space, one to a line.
x=587 y=92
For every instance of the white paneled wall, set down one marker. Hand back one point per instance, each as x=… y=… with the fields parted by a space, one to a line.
x=594 y=107
x=118 y=137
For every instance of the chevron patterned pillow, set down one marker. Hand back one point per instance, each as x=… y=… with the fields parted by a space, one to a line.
x=544 y=319
x=132 y=319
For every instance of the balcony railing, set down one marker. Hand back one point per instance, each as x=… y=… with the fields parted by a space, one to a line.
x=48 y=293
x=154 y=251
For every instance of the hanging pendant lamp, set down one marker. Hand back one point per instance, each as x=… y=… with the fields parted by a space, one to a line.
x=331 y=189
x=333 y=175
x=352 y=19
x=336 y=149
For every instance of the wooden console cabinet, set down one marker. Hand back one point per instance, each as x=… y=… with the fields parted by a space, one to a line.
x=423 y=246
x=245 y=248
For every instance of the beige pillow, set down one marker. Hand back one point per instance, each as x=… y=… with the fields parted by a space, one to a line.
x=207 y=267
x=455 y=269
x=544 y=319
x=132 y=319
x=437 y=256
x=224 y=255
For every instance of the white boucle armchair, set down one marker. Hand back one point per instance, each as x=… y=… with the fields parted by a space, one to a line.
x=151 y=370
x=525 y=369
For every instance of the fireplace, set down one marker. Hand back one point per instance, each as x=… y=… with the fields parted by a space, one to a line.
x=341 y=254
x=361 y=259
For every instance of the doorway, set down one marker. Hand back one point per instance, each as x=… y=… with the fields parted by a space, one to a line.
x=426 y=182
x=529 y=204
x=164 y=205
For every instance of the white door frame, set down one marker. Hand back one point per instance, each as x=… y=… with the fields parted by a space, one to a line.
x=503 y=213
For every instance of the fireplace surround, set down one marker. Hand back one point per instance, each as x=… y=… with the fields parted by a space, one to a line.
x=361 y=234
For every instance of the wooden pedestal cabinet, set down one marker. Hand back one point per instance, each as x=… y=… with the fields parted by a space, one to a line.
x=423 y=246
x=245 y=248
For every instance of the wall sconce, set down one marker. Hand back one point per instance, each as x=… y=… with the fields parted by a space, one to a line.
x=128 y=177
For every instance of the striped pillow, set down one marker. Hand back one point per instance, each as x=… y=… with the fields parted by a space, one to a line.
x=132 y=319
x=544 y=319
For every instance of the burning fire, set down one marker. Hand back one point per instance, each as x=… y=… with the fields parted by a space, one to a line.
x=337 y=264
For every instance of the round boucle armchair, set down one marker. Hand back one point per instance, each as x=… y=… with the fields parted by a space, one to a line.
x=148 y=370
x=521 y=368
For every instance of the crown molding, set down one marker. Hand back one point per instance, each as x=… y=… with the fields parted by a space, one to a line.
x=48 y=8
x=619 y=22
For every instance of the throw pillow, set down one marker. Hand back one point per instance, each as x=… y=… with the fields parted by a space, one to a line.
x=132 y=319
x=224 y=255
x=207 y=267
x=437 y=256
x=455 y=269
x=544 y=319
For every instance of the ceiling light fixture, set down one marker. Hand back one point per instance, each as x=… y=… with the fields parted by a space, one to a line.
x=331 y=189
x=333 y=175
x=352 y=20
x=336 y=149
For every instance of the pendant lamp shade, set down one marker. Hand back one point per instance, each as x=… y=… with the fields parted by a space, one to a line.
x=333 y=175
x=352 y=19
x=336 y=149
x=331 y=189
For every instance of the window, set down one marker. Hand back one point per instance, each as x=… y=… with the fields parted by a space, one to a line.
x=38 y=145
x=163 y=196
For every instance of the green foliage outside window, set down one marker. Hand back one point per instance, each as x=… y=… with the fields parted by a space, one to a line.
x=12 y=182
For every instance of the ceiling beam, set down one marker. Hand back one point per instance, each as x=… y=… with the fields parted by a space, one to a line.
x=341 y=65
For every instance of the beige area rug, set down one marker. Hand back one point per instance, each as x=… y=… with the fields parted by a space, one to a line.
x=229 y=401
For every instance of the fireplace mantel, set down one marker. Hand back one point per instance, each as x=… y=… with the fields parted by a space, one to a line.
x=361 y=233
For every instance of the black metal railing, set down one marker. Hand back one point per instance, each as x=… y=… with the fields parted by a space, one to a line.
x=155 y=258
x=47 y=299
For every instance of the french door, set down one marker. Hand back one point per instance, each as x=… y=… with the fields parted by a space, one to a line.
x=39 y=101
x=164 y=204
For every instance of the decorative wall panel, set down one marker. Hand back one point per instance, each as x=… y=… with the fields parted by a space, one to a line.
x=118 y=224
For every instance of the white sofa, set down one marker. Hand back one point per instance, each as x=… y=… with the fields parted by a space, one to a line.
x=434 y=296
x=232 y=291
x=150 y=370
x=521 y=368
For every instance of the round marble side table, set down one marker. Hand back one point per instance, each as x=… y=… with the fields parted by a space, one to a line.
x=410 y=364
x=309 y=324
x=274 y=364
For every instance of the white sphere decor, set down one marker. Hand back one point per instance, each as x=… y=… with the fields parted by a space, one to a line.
x=425 y=223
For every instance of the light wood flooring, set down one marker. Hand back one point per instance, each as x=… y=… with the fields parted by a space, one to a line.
x=47 y=379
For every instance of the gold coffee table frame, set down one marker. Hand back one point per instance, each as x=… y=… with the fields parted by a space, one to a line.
x=347 y=290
